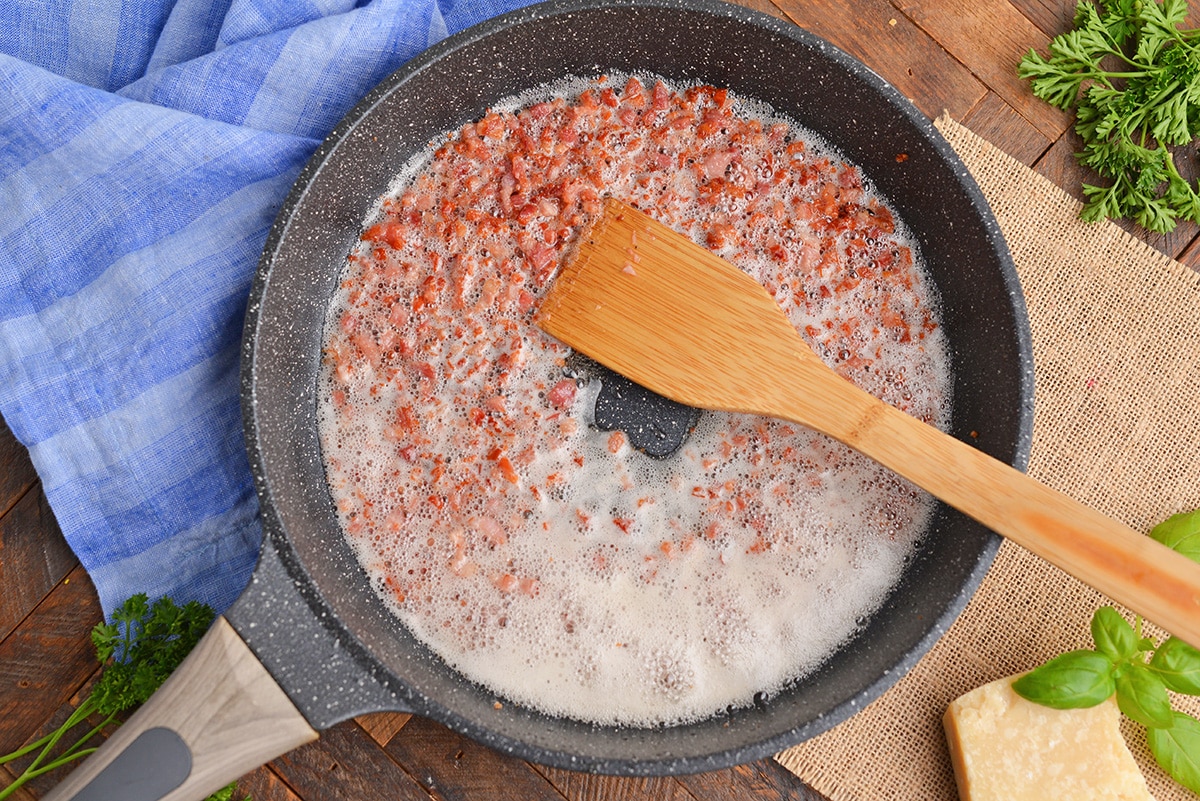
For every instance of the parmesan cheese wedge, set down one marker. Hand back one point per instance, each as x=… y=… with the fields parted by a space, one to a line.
x=1005 y=748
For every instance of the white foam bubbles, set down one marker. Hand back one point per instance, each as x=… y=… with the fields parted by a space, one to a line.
x=548 y=560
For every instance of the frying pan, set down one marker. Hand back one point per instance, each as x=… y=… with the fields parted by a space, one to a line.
x=309 y=644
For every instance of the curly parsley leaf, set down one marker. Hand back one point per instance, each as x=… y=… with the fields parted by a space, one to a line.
x=1118 y=18
x=226 y=793
x=149 y=643
x=1130 y=114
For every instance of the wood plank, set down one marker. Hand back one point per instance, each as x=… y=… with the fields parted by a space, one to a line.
x=16 y=471
x=264 y=784
x=346 y=764
x=453 y=767
x=997 y=122
x=1187 y=161
x=34 y=558
x=589 y=787
x=1061 y=167
x=989 y=37
x=889 y=43
x=45 y=660
x=42 y=785
x=1191 y=254
x=21 y=794
x=765 y=6
x=1052 y=17
x=765 y=780
x=383 y=726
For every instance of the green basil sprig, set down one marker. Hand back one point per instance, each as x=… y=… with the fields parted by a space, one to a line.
x=1139 y=671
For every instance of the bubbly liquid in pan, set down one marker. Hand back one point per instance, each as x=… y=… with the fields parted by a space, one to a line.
x=548 y=560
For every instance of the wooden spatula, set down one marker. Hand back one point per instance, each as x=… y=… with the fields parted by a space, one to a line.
x=663 y=311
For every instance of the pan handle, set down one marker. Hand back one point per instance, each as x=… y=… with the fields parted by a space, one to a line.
x=219 y=716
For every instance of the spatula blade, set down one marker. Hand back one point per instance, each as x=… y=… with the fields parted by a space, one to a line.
x=652 y=305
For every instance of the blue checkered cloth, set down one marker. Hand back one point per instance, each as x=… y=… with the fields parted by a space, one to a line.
x=145 y=147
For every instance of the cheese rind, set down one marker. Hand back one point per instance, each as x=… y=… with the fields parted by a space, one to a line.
x=1005 y=748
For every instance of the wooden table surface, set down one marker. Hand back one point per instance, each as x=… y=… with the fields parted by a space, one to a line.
x=945 y=55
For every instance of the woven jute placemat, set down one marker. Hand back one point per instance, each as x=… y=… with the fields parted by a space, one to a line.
x=1116 y=344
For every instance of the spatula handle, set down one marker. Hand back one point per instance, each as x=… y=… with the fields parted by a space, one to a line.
x=218 y=716
x=1127 y=566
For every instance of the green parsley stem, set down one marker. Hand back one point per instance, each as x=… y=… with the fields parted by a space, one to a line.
x=80 y=714
x=74 y=751
x=63 y=760
x=31 y=747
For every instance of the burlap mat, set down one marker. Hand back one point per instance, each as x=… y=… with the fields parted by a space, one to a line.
x=1116 y=342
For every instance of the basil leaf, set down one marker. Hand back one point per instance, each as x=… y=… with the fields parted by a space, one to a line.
x=1142 y=696
x=1180 y=533
x=1073 y=680
x=1178 y=665
x=1113 y=635
x=1177 y=750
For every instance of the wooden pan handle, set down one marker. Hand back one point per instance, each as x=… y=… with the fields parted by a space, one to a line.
x=1127 y=566
x=219 y=716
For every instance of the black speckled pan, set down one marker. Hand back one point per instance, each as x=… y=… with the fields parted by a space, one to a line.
x=310 y=616
x=757 y=56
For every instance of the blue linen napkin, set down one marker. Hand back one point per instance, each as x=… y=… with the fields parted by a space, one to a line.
x=145 y=147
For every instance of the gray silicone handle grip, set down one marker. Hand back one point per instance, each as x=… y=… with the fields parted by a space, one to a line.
x=154 y=764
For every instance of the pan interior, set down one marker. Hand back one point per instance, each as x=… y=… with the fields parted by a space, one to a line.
x=695 y=41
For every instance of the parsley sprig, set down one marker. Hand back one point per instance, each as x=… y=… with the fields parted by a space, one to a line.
x=1128 y=116
x=1138 y=671
x=138 y=650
